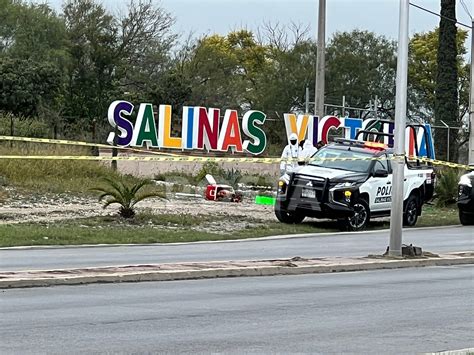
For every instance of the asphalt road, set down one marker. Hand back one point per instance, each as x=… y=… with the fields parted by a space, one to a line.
x=340 y=244
x=374 y=312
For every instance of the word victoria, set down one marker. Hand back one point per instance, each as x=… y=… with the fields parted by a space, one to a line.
x=316 y=130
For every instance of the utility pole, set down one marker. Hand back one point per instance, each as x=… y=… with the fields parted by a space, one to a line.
x=306 y=106
x=471 y=101
x=343 y=114
x=320 y=61
x=396 y=220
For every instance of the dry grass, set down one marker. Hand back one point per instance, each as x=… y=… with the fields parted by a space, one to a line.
x=77 y=176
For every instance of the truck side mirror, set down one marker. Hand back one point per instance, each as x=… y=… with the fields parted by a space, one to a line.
x=381 y=173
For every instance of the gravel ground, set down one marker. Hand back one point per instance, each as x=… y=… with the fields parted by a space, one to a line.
x=19 y=208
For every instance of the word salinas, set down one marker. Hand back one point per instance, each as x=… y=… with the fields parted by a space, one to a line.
x=201 y=128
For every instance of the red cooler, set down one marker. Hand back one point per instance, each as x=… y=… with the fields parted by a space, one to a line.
x=211 y=192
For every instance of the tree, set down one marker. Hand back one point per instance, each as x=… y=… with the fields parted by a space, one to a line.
x=172 y=89
x=144 y=43
x=446 y=89
x=422 y=71
x=291 y=56
x=9 y=11
x=212 y=71
x=32 y=57
x=112 y=56
x=39 y=34
x=26 y=84
x=93 y=37
x=361 y=65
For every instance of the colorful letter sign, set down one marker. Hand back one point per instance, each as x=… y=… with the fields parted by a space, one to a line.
x=201 y=128
x=315 y=129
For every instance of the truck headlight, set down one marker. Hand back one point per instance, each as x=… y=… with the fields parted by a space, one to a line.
x=282 y=184
x=465 y=180
x=347 y=195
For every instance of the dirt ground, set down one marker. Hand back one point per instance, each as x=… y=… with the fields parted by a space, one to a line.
x=151 y=169
x=21 y=208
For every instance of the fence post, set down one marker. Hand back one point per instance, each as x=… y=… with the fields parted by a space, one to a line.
x=307 y=100
x=12 y=130
x=114 y=151
x=447 y=126
x=447 y=155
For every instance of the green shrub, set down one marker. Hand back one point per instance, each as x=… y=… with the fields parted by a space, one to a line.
x=447 y=187
x=24 y=127
x=264 y=181
x=160 y=177
x=177 y=188
x=119 y=191
x=232 y=177
x=176 y=176
x=209 y=168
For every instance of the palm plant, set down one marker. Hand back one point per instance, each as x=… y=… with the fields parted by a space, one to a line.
x=233 y=177
x=447 y=187
x=127 y=196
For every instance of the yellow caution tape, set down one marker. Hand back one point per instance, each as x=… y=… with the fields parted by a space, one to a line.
x=136 y=158
x=442 y=163
x=171 y=157
x=79 y=143
x=208 y=159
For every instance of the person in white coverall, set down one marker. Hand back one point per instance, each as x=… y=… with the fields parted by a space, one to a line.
x=307 y=151
x=290 y=155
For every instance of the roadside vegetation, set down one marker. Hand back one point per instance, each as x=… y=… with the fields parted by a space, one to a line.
x=447 y=187
x=79 y=177
x=55 y=176
x=171 y=228
x=118 y=191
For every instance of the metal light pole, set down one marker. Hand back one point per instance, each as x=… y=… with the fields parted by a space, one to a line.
x=471 y=101
x=396 y=220
x=320 y=60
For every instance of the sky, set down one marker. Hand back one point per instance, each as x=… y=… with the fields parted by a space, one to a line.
x=222 y=16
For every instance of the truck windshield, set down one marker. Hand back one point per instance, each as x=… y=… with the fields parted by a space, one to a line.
x=360 y=166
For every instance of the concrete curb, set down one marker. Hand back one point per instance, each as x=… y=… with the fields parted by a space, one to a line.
x=273 y=237
x=466 y=351
x=192 y=271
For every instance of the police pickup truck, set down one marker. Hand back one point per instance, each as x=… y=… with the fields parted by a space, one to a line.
x=353 y=189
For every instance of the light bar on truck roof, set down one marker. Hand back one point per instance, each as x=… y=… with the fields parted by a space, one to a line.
x=375 y=145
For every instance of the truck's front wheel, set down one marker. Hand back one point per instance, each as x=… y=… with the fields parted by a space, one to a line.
x=361 y=216
x=288 y=217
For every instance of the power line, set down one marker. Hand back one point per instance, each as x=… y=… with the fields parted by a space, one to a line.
x=466 y=9
x=439 y=15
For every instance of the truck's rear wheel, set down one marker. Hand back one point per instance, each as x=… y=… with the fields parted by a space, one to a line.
x=288 y=217
x=361 y=217
x=466 y=219
x=410 y=214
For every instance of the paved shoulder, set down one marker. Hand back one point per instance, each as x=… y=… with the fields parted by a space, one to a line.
x=439 y=240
